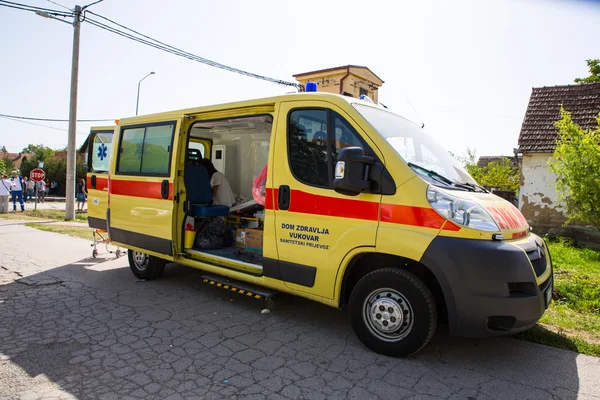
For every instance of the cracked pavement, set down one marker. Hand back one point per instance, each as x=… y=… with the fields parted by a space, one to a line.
x=76 y=327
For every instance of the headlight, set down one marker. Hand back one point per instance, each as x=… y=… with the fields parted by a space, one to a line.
x=462 y=212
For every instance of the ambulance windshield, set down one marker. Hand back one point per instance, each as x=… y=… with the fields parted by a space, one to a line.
x=415 y=146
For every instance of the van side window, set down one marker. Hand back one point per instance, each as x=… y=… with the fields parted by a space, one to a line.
x=157 y=150
x=310 y=140
x=146 y=150
x=346 y=136
x=130 y=157
x=307 y=140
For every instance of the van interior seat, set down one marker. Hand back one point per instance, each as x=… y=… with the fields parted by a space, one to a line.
x=199 y=191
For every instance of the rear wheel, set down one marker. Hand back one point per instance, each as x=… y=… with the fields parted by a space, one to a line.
x=393 y=312
x=145 y=266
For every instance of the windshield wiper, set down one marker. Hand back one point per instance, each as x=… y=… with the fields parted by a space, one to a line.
x=432 y=173
x=441 y=178
x=471 y=186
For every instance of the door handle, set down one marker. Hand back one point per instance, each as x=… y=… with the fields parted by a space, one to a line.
x=93 y=181
x=164 y=189
x=283 y=197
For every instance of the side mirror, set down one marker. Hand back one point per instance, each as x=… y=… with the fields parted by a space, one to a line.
x=352 y=171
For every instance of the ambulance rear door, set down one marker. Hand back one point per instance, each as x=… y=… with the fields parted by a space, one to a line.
x=98 y=160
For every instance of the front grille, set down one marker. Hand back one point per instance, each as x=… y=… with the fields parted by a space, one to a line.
x=538 y=260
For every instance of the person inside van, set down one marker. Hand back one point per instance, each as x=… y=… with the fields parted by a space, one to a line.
x=221 y=190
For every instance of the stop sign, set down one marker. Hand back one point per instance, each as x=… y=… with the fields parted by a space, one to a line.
x=37 y=175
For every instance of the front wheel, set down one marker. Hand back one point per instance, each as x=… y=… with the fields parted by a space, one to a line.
x=145 y=266
x=393 y=312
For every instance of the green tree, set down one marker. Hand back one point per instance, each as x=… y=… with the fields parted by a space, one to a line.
x=469 y=160
x=576 y=162
x=27 y=164
x=56 y=170
x=40 y=151
x=499 y=173
x=594 y=66
x=2 y=167
x=9 y=164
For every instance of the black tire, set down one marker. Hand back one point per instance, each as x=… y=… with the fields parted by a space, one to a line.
x=408 y=319
x=145 y=266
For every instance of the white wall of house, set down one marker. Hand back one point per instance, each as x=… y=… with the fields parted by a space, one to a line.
x=538 y=199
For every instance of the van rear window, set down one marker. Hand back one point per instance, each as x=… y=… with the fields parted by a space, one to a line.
x=146 y=150
x=99 y=153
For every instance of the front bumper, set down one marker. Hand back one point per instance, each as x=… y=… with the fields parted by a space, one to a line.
x=491 y=287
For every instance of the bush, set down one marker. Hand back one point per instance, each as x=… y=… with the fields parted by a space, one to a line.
x=576 y=163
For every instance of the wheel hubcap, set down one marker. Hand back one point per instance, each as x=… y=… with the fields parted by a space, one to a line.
x=140 y=260
x=388 y=315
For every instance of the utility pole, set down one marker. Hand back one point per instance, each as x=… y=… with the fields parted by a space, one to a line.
x=71 y=150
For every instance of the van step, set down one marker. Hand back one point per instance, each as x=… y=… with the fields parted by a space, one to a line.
x=242 y=288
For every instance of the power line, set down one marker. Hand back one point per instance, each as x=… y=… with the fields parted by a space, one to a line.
x=58 y=4
x=27 y=7
x=52 y=119
x=174 y=50
x=43 y=126
x=91 y=4
x=150 y=42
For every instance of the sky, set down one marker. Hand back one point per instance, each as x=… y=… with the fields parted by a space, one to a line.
x=463 y=68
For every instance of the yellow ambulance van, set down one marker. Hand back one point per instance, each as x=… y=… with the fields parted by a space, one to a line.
x=99 y=148
x=331 y=198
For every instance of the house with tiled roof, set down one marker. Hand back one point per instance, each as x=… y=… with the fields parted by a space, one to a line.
x=348 y=80
x=538 y=199
x=15 y=158
x=483 y=161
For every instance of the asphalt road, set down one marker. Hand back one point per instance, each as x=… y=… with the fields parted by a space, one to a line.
x=75 y=327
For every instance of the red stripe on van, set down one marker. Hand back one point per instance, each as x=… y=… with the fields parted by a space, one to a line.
x=149 y=190
x=101 y=183
x=409 y=215
x=307 y=203
x=520 y=234
x=269 y=193
x=451 y=226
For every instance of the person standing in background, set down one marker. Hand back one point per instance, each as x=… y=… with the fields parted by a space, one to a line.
x=81 y=195
x=5 y=185
x=41 y=191
x=30 y=189
x=25 y=182
x=17 y=191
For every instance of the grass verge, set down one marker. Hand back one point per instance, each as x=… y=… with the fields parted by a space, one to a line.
x=572 y=322
x=542 y=335
x=57 y=215
x=75 y=231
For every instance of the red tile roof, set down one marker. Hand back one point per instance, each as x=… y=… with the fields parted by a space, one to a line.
x=16 y=158
x=337 y=68
x=483 y=161
x=538 y=133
